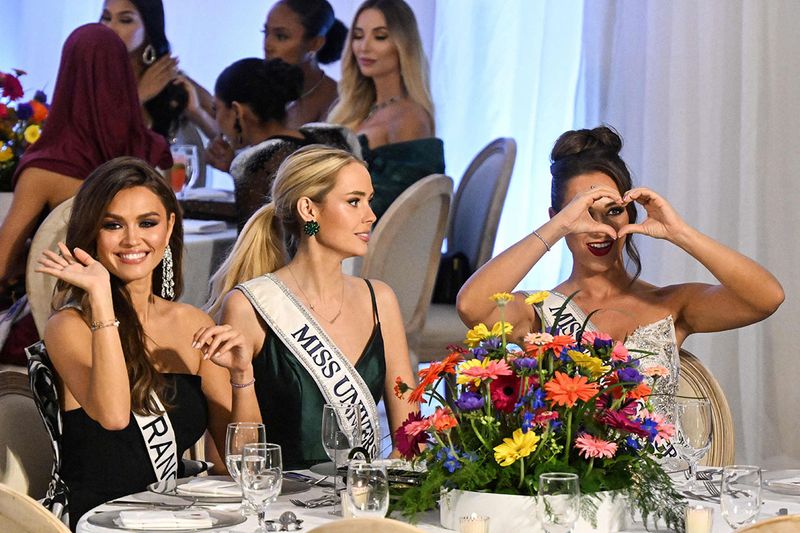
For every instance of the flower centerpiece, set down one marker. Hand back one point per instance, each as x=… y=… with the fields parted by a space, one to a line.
x=20 y=126
x=558 y=403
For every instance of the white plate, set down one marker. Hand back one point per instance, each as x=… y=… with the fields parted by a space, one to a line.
x=782 y=481
x=170 y=488
x=110 y=519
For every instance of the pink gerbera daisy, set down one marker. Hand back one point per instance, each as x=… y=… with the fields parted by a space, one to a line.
x=620 y=353
x=591 y=446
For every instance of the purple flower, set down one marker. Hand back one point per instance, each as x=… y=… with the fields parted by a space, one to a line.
x=24 y=111
x=527 y=422
x=526 y=363
x=469 y=401
x=40 y=97
x=630 y=375
x=491 y=343
x=479 y=353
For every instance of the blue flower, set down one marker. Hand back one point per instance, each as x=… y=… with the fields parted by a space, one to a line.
x=527 y=363
x=479 y=353
x=651 y=426
x=527 y=422
x=633 y=443
x=40 y=97
x=469 y=401
x=449 y=458
x=538 y=399
x=491 y=343
x=630 y=375
x=600 y=344
x=24 y=111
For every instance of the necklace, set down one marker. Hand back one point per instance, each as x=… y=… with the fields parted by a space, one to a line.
x=314 y=88
x=374 y=108
x=341 y=301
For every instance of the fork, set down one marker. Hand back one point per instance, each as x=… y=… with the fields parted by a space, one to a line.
x=314 y=503
x=712 y=488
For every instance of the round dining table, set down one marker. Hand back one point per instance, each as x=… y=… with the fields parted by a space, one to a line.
x=773 y=504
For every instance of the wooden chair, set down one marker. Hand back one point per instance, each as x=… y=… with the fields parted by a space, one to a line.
x=26 y=457
x=778 y=524
x=366 y=525
x=694 y=380
x=22 y=514
x=40 y=286
x=405 y=248
x=476 y=211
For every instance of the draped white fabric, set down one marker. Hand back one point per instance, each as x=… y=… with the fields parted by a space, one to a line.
x=706 y=97
x=508 y=69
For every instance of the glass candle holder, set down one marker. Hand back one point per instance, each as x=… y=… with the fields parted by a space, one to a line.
x=474 y=524
x=699 y=519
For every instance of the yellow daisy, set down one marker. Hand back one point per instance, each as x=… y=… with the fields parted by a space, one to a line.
x=518 y=446
x=593 y=364
x=32 y=133
x=537 y=298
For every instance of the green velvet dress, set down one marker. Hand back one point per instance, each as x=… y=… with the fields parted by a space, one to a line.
x=396 y=167
x=291 y=402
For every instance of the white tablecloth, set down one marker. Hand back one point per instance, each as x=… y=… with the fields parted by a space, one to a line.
x=203 y=254
x=430 y=521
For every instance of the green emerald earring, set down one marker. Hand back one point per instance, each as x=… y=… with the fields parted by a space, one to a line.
x=311 y=228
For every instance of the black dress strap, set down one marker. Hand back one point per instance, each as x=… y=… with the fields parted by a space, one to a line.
x=374 y=303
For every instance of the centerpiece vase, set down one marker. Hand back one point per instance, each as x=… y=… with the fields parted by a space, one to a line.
x=522 y=514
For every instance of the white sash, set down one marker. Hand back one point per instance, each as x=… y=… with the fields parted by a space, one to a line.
x=337 y=379
x=159 y=439
x=572 y=317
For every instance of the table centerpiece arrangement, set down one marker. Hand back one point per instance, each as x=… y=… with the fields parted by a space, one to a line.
x=20 y=123
x=559 y=403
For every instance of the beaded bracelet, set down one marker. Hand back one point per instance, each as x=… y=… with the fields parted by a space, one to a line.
x=542 y=239
x=94 y=326
x=242 y=385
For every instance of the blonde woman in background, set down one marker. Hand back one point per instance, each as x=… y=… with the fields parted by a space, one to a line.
x=317 y=336
x=385 y=97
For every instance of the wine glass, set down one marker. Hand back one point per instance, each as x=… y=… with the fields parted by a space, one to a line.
x=740 y=494
x=560 y=498
x=262 y=476
x=184 y=167
x=367 y=489
x=238 y=435
x=693 y=432
x=341 y=432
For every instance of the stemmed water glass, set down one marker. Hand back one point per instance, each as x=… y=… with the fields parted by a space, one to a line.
x=185 y=167
x=560 y=499
x=740 y=494
x=693 y=432
x=341 y=432
x=238 y=435
x=262 y=476
x=367 y=489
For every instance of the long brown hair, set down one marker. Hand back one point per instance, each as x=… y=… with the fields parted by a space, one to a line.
x=91 y=203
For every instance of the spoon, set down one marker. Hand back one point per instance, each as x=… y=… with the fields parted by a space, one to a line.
x=288 y=518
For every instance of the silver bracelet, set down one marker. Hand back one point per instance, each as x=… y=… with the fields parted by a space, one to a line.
x=242 y=385
x=94 y=326
x=542 y=239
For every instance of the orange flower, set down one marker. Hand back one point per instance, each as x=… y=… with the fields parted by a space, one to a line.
x=537 y=344
x=400 y=388
x=442 y=419
x=565 y=390
x=39 y=111
x=642 y=390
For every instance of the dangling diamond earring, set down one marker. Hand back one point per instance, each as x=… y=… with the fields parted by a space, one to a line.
x=149 y=54
x=167 y=276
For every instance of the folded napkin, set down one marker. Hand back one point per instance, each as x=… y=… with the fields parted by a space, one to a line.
x=165 y=520
x=207 y=193
x=209 y=487
x=191 y=225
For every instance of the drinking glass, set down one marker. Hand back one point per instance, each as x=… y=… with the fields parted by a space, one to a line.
x=740 y=494
x=560 y=499
x=693 y=433
x=341 y=432
x=184 y=167
x=238 y=435
x=262 y=476
x=367 y=489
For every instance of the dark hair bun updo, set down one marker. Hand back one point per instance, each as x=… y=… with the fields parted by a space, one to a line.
x=584 y=152
x=602 y=139
x=265 y=86
x=318 y=20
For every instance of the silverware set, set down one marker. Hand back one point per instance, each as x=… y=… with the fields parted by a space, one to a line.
x=322 y=501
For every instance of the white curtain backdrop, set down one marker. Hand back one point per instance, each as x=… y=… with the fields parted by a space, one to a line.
x=508 y=69
x=705 y=95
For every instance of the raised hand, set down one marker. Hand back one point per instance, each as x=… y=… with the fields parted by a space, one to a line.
x=77 y=268
x=576 y=218
x=219 y=154
x=224 y=346
x=157 y=76
x=661 y=222
x=193 y=101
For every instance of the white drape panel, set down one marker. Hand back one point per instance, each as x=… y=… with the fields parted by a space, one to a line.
x=706 y=96
x=508 y=69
